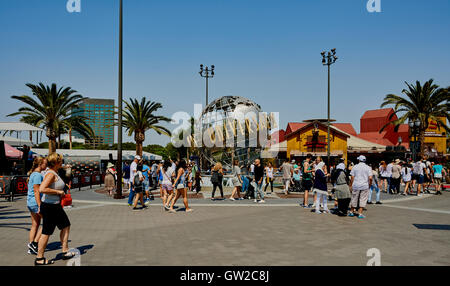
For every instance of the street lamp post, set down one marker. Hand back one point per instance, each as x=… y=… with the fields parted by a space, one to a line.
x=118 y=194
x=414 y=127
x=206 y=73
x=327 y=60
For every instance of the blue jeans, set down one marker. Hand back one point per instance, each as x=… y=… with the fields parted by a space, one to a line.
x=258 y=190
x=131 y=195
x=244 y=183
x=377 y=189
x=389 y=185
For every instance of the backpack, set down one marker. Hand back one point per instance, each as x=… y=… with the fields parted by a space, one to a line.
x=137 y=182
x=215 y=177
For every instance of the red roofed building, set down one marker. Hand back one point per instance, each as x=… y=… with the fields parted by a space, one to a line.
x=346 y=127
x=373 y=120
x=277 y=137
x=294 y=126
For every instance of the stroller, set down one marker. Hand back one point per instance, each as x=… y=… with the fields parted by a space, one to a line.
x=250 y=193
x=296 y=187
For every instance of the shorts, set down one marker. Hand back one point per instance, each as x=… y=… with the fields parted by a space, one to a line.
x=286 y=181
x=307 y=185
x=420 y=179
x=139 y=189
x=438 y=181
x=146 y=184
x=167 y=187
x=181 y=186
x=33 y=209
x=126 y=181
x=53 y=215
x=359 y=198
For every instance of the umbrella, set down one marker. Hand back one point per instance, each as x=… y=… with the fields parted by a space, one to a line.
x=12 y=153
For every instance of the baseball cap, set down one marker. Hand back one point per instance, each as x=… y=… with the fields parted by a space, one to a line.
x=137 y=157
x=362 y=158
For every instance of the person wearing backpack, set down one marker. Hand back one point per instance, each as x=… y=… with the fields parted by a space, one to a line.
x=138 y=186
x=216 y=180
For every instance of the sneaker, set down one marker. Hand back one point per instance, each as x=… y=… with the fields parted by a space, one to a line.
x=351 y=214
x=189 y=210
x=369 y=203
x=318 y=212
x=379 y=203
x=136 y=209
x=361 y=216
x=262 y=201
x=232 y=199
x=32 y=249
x=146 y=203
x=255 y=201
x=420 y=195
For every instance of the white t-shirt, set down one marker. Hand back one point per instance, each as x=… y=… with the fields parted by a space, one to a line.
x=252 y=168
x=167 y=176
x=389 y=170
x=269 y=172
x=418 y=168
x=133 y=169
x=406 y=174
x=361 y=173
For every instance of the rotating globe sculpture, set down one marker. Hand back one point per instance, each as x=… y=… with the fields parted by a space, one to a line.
x=232 y=124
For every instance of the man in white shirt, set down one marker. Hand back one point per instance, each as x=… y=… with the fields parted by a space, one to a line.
x=389 y=176
x=360 y=183
x=419 y=170
x=133 y=170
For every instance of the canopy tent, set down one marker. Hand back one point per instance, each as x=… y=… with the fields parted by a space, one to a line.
x=12 y=153
x=15 y=142
x=104 y=154
x=19 y=127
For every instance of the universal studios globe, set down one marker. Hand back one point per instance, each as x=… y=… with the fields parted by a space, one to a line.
x=230 y=129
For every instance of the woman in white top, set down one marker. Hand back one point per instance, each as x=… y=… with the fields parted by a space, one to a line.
x=236 y=180
x=166 y=184
x=53 y=215
x=383 y=176
x=406 y=177
x=269 y=177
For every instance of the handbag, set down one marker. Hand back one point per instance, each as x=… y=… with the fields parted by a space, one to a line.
x=66 y=199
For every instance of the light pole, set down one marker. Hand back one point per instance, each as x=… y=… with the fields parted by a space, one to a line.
x=206 y=73
x=414 y=126
x=327 y=60
x=118 y=194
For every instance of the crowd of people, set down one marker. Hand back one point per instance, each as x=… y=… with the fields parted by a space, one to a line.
x=352 y=187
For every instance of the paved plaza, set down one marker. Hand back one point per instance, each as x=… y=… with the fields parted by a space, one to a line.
x=407 y=231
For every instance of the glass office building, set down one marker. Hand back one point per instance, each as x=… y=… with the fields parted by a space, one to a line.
x=100 y=114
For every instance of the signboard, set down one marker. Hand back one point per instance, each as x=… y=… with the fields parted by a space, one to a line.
x=433 y=130
x=83 y=164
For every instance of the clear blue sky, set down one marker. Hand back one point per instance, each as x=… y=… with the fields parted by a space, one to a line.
x=268 y=51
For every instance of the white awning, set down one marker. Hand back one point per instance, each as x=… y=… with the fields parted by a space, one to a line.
x=18 y=126
x=104 y=154
x=15 y=142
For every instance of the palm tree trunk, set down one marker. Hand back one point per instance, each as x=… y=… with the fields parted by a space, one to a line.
x=139 y=137
x=51 y=145
x=70 y=138
x=422 y=142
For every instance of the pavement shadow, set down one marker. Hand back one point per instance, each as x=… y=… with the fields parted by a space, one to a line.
x=15 y=225
x=10 y=212
x=56 y=245
x=13 y=217
x=82 y=249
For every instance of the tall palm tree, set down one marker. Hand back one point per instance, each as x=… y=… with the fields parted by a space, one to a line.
x=427 y=102
x=52 y=111
x=138 y=117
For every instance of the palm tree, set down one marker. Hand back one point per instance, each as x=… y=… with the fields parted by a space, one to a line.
x=52 y=111
x=427 y=102
x=139 y=117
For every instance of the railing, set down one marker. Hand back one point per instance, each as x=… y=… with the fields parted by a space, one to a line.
x=12 y=186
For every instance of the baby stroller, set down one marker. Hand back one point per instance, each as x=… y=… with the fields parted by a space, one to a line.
x=250 y=193
x=296 y=186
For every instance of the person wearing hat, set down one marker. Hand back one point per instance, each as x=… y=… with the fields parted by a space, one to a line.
x=133 y=170
x=110 y=179
x=360 y=182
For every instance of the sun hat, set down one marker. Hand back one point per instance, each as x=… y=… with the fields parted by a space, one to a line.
x=110 y=165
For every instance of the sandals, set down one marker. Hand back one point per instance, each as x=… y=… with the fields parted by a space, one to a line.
x=68 y=255
x=45 y=261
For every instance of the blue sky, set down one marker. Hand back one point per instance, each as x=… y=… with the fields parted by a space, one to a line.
x=268 y=51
